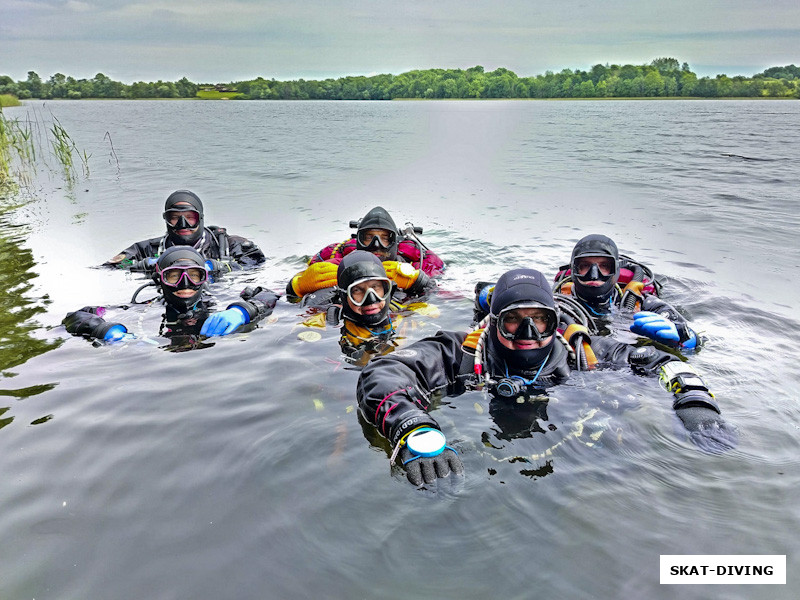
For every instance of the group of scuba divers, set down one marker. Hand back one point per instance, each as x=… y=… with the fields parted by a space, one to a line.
x=528 y=334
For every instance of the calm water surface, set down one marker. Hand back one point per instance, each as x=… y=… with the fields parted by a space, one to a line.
x=241 y=470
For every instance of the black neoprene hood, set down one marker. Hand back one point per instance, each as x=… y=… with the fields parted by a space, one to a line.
x=379 y=218
x=521 y=285
x=194 y=201
x=359 y=264
x=184 y=196
x=595 y=245
x=172 y=256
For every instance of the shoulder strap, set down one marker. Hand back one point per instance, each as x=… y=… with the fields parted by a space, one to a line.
x=471 y=341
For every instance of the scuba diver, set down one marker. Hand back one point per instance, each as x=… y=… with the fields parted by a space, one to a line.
x=599 y=284
x=181 y=274
x=595 y=278
x=376 y=232
x=183 y=214
x=516 y=355
x=363 y=295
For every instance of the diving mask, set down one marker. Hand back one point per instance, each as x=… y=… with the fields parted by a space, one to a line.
x=376 y=239
x=369 y=291
x=527 y=321
x=182 y=219
x=600 y=267
x=173 y=275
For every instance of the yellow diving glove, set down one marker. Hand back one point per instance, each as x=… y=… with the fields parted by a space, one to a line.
x=316 y=277
x=403 y=274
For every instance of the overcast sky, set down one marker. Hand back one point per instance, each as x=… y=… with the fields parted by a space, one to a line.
x=230 y=40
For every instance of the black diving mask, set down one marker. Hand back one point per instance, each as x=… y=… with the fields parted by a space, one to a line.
x=584 y=270
x=372 y=242
x=182 y=219
x=537 y=323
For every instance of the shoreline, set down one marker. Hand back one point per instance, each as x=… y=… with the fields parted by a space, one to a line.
x=593 y=99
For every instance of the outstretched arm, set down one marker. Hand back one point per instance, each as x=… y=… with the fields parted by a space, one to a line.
x=135 y=256
x=694 y=404
x=89 y=323
x=394 y=394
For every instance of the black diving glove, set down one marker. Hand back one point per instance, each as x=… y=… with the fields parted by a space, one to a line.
x=146 y=265
x=88 y=323
x=425 y=457
x=426 y=469
x=257 y=302
x=707 y=429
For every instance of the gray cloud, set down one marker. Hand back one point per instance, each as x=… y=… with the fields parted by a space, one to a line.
x=233 y=39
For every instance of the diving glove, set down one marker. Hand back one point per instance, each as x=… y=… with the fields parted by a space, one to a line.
x=224 y=322
x=316 y=277
x=87 y=322
x=426 y=457
x=407 y=278
x=661 y=329
x=707 y=429
x=146 y=265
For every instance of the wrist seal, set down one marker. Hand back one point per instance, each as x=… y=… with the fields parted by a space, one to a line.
x=250 y=308
x=679 y=377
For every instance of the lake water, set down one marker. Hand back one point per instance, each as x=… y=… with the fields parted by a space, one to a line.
x=242 y=470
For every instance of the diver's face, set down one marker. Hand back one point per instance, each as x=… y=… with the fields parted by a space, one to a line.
x=511 y=322
x=184 y=213
x=183 y=279
x=605 y=265
x=377 y=241
x=359 y=291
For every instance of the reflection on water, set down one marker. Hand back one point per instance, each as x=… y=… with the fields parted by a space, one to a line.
x=19 y=332
x=244 y=470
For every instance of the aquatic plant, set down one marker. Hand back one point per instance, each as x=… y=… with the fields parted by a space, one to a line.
x=17 y=153
x=22 y=152
x=9 y=100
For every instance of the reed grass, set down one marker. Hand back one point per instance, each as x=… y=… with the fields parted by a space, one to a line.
x=23 y=150
x=9 y=100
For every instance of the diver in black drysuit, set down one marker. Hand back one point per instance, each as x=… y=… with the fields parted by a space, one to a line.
x=181 y=275
x=519 y=355
x=183 y=214
x=594 y=272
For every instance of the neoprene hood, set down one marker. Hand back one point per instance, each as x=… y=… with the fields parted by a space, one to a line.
x=360 y=265
x=519 y=286
x=182 y=256
x=595 y=245
x=379 y=218
x=184 y=196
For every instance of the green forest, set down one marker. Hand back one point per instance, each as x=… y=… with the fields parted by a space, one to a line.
x=662 y=77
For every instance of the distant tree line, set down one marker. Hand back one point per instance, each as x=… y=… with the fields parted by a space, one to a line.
x=663 y=77
x=100 y=86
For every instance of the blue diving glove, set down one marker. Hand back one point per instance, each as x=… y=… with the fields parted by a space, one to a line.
x=425 y=457
x=224 y=322
x=661 y=329
x=116 y=332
